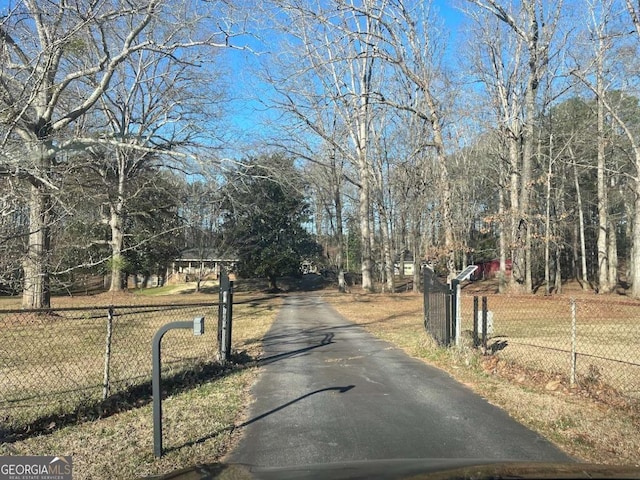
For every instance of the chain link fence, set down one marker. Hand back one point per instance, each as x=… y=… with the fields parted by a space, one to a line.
x=585 y=340
x=65 y=362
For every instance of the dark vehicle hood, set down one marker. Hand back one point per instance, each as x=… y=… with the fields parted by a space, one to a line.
x=432 y=469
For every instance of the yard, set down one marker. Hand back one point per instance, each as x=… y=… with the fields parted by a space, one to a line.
x=592 y=420
x=596 y=420
x=52 y=370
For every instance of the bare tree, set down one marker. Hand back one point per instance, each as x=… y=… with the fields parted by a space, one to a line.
x=335 y=77
x=58 y=60
x=155 y=111
x=327 y=180
x=413 y=48
x=611 y=76
x=515 y=83
x=601 y=41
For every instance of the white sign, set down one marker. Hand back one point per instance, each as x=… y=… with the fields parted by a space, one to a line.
x=489 y=323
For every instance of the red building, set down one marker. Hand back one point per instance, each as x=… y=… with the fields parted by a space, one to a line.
x=490 y=269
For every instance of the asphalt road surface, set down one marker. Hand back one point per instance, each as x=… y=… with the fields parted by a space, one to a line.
x=331 y=392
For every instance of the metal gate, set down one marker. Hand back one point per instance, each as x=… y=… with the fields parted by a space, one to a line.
x=439 y=308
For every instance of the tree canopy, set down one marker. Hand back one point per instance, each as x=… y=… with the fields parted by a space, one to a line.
x=265 y=219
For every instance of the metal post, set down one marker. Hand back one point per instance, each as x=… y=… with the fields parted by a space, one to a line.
x=224 y=347
x=484 y=324
x=106 y=382
x=475 y=321
x=229 y=321
x=425 y=299
x=455 y=285
x=197 y=324
x=222 y=297
x=574 y=342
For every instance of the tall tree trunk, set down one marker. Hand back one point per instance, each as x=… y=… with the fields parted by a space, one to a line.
x=117 y=260
x=36 y=289
x=365 y=232
x=445 y=196
x=603 y=224
x=516 y=238
x=362 y=146
x=558 y=272
x=613 y=256
x=387 y=247
x=527 y=162
x=575 y=270
x=337 y=201
x=547 y=236
x=36 y=292
x=116 y=223
x=199 y=276
x=635 y=249
x=583 y=247
x=416 y=256
x=502 y=242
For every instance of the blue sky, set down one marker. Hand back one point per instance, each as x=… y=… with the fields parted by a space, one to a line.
x=247 y=113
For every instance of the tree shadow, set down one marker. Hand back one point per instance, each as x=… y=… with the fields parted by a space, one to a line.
x=327 y=340
x=257 y=418
x=132 y=397
x=497 y=345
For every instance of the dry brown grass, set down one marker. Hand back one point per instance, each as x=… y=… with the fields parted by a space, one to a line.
x=198 y=420
x=537 y=332
x=593 y=425
x=53 y=363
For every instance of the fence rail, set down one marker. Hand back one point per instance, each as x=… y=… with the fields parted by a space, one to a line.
x=585 y=340
x=56 y=362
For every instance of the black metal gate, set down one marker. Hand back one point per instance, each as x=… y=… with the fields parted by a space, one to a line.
x=439 y=308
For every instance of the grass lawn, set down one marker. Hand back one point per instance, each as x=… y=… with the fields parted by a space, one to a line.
x=590 y=424
x=199 y=419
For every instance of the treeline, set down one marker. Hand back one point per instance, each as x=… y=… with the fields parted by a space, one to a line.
x=165 y=216
x=106 y=108
x=518 y=141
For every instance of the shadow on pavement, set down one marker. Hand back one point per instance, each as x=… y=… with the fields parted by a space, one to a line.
x=260 y=417
x=295 y=400
x=328 y=339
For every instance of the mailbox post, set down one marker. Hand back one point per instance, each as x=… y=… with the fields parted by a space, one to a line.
x=462 y=276
x=198 y=329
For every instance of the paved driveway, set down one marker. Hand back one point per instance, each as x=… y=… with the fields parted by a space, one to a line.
x=331 y=392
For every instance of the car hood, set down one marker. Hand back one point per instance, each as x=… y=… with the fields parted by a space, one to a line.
x=431 y=469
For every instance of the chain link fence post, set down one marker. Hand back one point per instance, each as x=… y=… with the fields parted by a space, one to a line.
x=574 y=343
x=106 y=386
